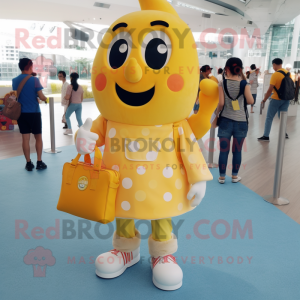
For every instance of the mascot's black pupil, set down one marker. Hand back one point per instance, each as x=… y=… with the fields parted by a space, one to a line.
x=118 y=53
x=156 y=54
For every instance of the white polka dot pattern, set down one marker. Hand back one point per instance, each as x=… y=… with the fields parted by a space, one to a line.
x=151 y=155
x=145 y=131
x=112 y=132
x=116 y=168
x=168 y=172
x=134 y=146
x=141 y=170
x=193 y=138
x=178 y=184
x=140 y=195
x=127 y=183
x=167 y=197
x=125 y=205
x=192 y=158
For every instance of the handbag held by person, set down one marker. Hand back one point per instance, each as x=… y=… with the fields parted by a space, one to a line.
x=12 y=109
x=65 y=102
x=88 y=191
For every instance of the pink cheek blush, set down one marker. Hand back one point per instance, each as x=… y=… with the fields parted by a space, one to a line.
x=100 y=82
x=175 y=83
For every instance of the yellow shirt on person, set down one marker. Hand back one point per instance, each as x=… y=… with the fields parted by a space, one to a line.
x=276 y=80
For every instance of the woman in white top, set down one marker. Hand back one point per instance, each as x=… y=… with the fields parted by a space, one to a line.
x=220 y=76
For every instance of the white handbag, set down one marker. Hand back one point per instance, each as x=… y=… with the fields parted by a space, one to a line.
x=65 y=102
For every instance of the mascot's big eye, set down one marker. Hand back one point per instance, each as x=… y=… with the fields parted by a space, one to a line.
x=119 y=50
x=156 y=49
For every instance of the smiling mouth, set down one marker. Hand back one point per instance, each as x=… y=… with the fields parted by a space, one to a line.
x=134 y=99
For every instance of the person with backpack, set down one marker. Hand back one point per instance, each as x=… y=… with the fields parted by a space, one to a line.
x=232 y=112
x=283 y=89
x=30 y=120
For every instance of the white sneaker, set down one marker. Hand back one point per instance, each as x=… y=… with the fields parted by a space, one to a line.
x=68 y=131
x=235 y=180
x=114 y=263
x=222 y=181
x=167 y=275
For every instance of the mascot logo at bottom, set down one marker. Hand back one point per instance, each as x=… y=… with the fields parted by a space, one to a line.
x=82 y=183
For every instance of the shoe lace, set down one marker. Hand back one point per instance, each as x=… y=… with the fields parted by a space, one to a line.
x=163 y=259
x=114 y=251
x=127 y=256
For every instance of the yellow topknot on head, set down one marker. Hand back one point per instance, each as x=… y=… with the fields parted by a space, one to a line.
x=158 y=5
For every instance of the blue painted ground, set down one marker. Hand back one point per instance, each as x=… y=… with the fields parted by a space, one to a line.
x=273 y=271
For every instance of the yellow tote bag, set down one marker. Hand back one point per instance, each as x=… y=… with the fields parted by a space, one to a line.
x=87 y=191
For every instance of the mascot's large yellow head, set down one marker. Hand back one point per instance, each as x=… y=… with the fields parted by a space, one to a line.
x=146 y=68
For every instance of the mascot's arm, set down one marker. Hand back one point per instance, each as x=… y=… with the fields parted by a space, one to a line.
x=191 y=155
x=214 y=79
x=208 y=100
x=98 y=127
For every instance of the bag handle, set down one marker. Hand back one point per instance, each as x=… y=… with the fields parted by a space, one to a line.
x=97 y=159
x=87 y=158
x=21 y=85
x=283 y=73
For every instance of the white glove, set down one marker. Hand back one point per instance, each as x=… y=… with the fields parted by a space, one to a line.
x=86 y=140
x=198 y=190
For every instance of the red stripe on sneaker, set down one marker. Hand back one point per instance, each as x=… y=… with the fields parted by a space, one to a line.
x=123 y=258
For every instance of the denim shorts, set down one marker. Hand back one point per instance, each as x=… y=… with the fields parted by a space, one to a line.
x=229 y=128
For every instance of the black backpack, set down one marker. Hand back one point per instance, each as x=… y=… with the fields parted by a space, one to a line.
x=287 y=87
x=243 y=84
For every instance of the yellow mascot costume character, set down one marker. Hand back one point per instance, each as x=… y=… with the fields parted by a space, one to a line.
x=145 y=79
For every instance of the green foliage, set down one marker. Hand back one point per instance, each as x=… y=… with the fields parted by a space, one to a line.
x=86 y=93
x=83 y=61
x=56 y=88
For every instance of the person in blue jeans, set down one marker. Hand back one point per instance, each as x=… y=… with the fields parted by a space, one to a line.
x=233 y=116
x=75 y=96
x=276 y=105
x=238 y=130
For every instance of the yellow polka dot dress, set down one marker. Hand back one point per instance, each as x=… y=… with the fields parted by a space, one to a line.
x=157 y=166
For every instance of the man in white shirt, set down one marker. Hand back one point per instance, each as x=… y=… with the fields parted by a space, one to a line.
x=253 y=79
x=62 y=77
x=220 y=76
